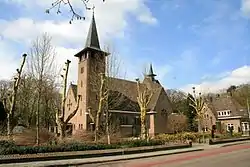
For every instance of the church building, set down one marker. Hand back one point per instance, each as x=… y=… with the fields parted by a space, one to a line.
x=124 y=110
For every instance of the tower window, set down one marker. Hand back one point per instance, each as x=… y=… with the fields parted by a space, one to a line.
x=80 y=112
x=82 y=70
x=81 y=84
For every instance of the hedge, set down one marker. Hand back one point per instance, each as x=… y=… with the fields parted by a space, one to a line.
x=7 y=147
x=195 y=137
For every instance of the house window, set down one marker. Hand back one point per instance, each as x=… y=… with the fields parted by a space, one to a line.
x=218 y=113
x=206 y=129
x=81 y=84
x=82 y=70
x=245 y=126
x=230 y=125
x=74 y=126
x=81 y=126
x=124 y=120
x=225 y=113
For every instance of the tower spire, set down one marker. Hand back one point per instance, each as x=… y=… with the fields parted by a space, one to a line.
x=151 y=72
x=92 y=40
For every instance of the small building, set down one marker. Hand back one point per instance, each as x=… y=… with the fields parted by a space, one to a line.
x=226 y=112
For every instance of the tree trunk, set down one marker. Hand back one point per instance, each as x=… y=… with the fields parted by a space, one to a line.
x=107 y=129
x=37 y=118
x=62 y=131
x=143 y=124
x=97 y=126
x=9 y=125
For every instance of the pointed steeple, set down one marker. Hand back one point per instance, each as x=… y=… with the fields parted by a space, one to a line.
x=151 y=72
x=92 y=40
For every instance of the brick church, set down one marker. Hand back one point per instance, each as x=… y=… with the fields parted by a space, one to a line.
x=124 y=110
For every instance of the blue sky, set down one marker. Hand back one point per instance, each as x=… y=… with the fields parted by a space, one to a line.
x=189 y=42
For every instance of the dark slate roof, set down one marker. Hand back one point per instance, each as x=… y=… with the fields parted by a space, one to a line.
x=74 y=89
x=118 y=101
x=227 y=103
x=92 y=40
x=129 y=90
x=123 y=94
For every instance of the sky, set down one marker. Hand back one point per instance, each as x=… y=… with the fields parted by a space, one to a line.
x=201 y=43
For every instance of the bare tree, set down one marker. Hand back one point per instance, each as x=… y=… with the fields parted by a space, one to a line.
x=27 y=101
x=198 y=104
x=60 y=114
x=75 y=15
x=144 y=97
x=41 y=68
x=177 y=123
x=5 y=87
x=12 y=97
x=103 y=76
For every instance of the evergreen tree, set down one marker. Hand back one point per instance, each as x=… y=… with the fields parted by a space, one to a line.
x=191 y=114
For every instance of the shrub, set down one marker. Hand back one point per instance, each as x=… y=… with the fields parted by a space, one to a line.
x=5 y=144
x=28 y=137
x=11 y=148
x=239 y=134
x=183 y=137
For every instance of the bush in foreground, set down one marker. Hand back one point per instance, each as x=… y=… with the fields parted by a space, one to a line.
x=7 y=147
x=195 y=137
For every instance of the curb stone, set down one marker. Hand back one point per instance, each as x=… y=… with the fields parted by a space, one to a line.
x=123 y=159
x=75 y=162
x=235 y=143
x=7 y=159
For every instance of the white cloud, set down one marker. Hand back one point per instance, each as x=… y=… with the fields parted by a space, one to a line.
x=245 y=7
x=61 y=32
x=109 y=10
x=64 y=54
x=236 y=77
x=111 y=18
x=8 y=63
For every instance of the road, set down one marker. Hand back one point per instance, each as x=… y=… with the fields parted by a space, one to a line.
x=231 y=156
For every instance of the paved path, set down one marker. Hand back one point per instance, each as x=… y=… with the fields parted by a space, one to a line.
x=156 y=157
x=231 y=156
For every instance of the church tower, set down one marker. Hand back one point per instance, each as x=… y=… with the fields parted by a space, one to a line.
x=91 y=64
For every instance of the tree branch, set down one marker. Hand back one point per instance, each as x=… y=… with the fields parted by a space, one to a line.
x=57 y=4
